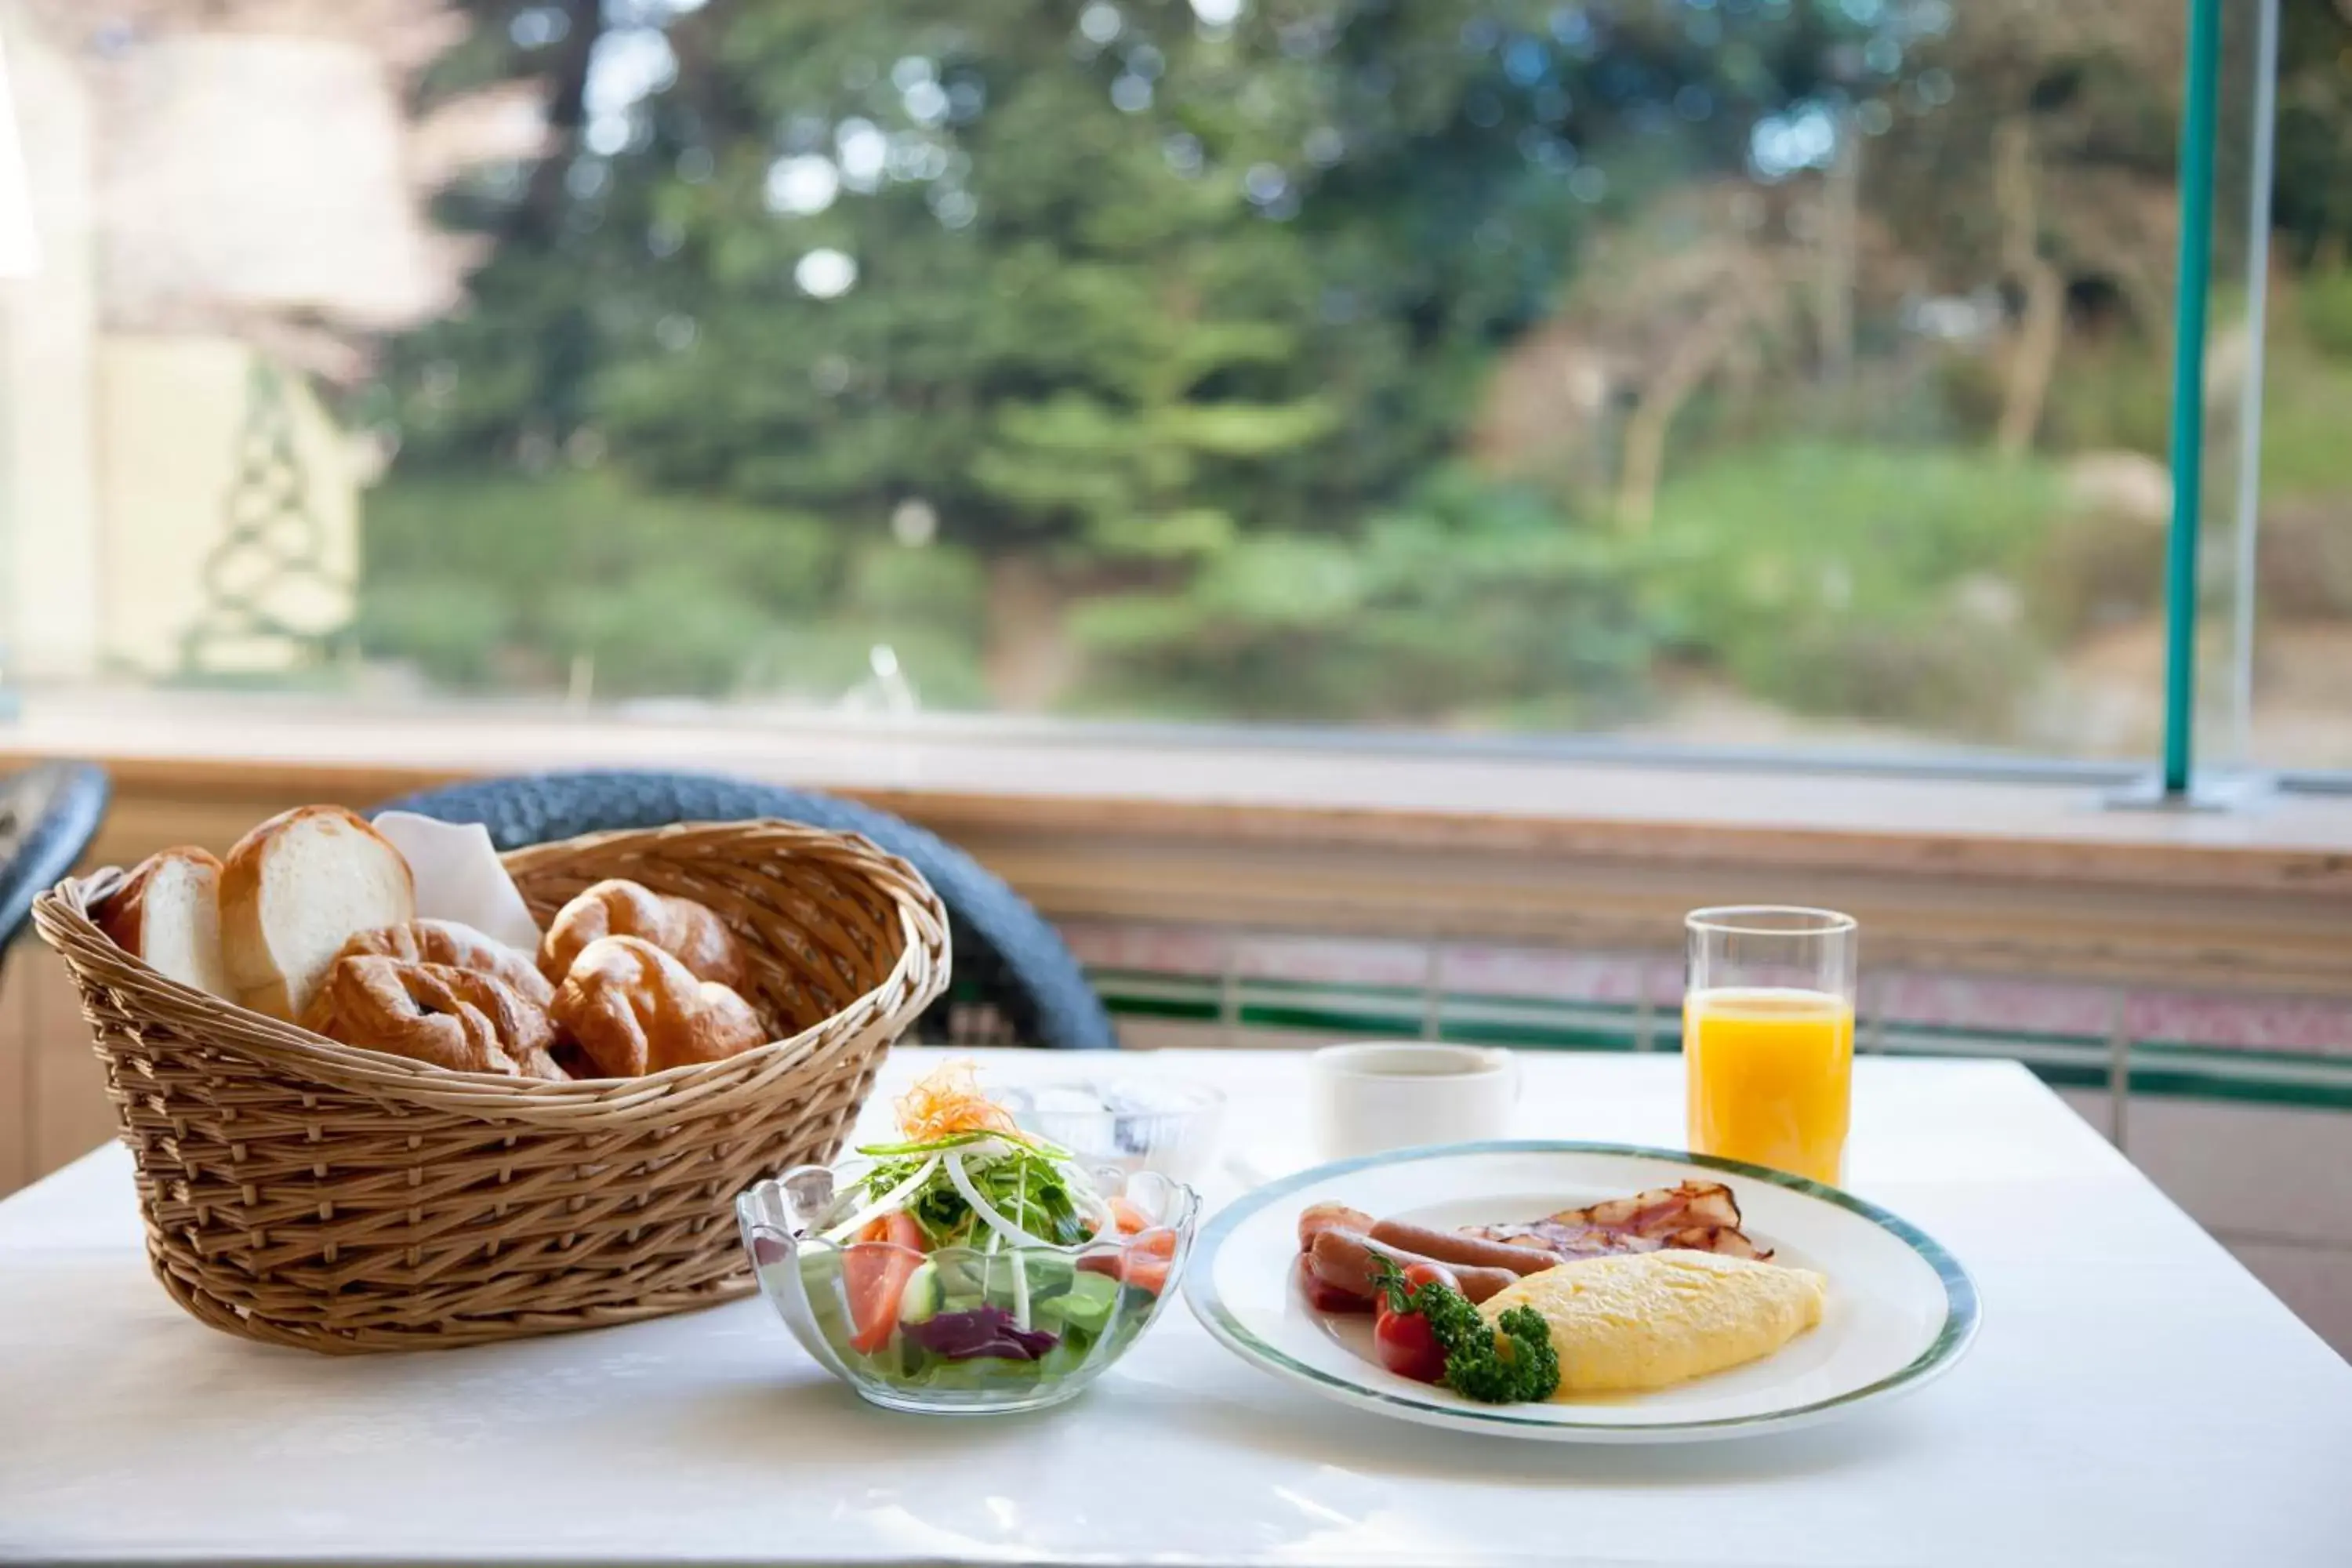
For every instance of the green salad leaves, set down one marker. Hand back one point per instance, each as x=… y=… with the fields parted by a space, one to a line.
x=1023 y=1180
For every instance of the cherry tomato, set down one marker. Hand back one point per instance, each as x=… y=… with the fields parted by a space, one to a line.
x=1407 y=1345
x=1420 y=1274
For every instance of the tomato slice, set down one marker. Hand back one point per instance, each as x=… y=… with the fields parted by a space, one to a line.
x=875 y=1268
x=1148 y=1258
x=1143 y=1262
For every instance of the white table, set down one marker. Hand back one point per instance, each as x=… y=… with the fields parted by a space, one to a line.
x=2135 y=1397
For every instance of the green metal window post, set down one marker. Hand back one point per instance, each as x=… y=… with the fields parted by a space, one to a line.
x=2199 y=109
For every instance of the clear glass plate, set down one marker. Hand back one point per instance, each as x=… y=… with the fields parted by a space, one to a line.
x=1130 y=1125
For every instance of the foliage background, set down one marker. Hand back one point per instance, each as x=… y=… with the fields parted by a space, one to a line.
x=1296 y=359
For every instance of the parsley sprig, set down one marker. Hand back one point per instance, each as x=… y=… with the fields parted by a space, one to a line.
x=1508 y=1362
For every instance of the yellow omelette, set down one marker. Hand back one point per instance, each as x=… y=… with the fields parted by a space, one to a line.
x=1647 y=1320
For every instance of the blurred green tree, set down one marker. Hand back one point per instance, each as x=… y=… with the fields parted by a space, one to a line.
x=1139 y=299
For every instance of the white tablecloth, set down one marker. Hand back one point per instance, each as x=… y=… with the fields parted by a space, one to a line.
x=2136 y=1398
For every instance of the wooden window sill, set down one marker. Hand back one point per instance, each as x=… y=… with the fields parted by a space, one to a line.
x=1988 y=875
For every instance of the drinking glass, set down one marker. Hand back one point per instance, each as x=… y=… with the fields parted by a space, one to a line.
x=1768 y=1036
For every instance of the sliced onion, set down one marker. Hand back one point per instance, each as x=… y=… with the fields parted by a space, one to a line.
x=895 y=1198
x=1021 y=1269
x=983 y=1208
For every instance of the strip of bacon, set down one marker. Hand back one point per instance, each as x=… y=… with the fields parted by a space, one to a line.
x=1699 y=1216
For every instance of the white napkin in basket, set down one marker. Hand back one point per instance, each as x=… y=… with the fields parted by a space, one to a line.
x=459 y=876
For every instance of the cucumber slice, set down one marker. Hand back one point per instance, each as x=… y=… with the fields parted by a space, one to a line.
x=1048 y=1275
x=921 y=1300
x=962 y=1273
x=1087 y=1304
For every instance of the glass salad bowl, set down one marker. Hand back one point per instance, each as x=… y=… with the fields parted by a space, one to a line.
x=998 y=1326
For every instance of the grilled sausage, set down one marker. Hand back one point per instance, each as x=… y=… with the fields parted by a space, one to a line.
x=1328 y=1216
x=1456 y=1250
x=1343 y=1259
x=1328 y=1297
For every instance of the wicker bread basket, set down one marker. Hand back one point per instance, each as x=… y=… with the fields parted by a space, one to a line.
x=309 y=1193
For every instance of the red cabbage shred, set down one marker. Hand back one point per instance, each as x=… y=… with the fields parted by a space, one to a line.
x=982 y=1332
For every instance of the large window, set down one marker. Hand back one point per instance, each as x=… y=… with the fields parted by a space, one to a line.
x=2278 y=573
x=1732 y=371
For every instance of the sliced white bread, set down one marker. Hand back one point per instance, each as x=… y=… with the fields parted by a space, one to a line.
x=294 y=890
x=168 y=914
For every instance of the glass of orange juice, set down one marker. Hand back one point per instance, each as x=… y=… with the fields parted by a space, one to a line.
x=1768 y=1036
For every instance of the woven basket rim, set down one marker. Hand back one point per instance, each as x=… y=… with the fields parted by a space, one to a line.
x=62 y=917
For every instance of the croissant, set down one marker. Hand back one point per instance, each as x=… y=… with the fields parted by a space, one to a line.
x=687 y=931
x=438 y=1013
x=456 y=943
x=631 y=1009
